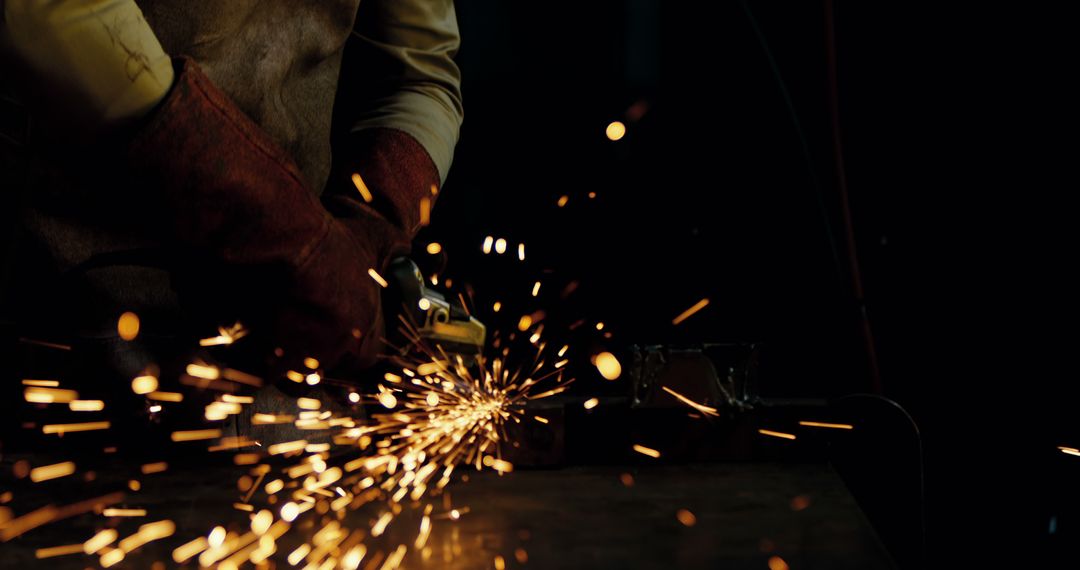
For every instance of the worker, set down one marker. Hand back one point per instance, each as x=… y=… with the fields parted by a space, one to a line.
x=198 y=161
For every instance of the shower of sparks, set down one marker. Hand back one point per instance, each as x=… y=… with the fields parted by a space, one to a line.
x=709 y=411
x=439 y=415
x=826 y=425
x=778 y=434
x=361 y=187
x=690 y=312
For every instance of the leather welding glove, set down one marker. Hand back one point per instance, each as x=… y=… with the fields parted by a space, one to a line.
x=101 y=53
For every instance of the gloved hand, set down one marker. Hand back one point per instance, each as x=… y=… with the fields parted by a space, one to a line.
x=101 y=53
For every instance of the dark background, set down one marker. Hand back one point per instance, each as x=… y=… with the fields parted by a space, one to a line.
x=952 y=131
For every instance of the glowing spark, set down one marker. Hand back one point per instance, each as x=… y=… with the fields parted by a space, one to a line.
x=496 y=307
x=144 y=384
x=58 y=551
x=387 y=400
x=686 y=517
x=216 y=537
x=425 y=211
x=225 y=336
x=540 y=419
x=308 y=403
x=151 y=468
x=41 y=383
x=166 y=396
x=155 y=408
x=54 y=471
x=646 y=451
x=455 y=514
x=365 y=193
x=380 y=525
x=525 y=322
x=500 y=563
x=1070 y=451
x=124 y=512
x=690 y=312
x=99 y=541
x=287 y=447
x=615 y=131
x=608 y=365
x=800 y=503
x=600 y=326
x=592 y=403
x=195 y=435
x=39 y=395
x=296 y=556
x=261 y=522
x=111 y=558
x=294 y=376
x=536 y=289
x=312 y=379
x=394 y=560
x=500 y=246
x=627 y=479
x=592 y=195
x=707 y=410
x=86 y=405
x=184 y=552
x=274 y=486
x=68 y=428
x=128 y=326
x=827 y=425
x=777 y=563
x=432 y=399
x=204 y=372
x=434 y=248
x=521 y=251
x=776 y=434
x=488 y=242
x=354 y=397
x=237 y=399
x=266 y=419
x=353 y=558
x=378 y=278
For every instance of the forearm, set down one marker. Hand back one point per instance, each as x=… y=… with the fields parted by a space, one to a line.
x=231 y=195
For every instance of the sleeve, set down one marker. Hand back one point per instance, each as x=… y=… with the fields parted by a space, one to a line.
x=401 y=62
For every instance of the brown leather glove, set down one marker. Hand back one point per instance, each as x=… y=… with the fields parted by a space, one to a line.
x=260 y=243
